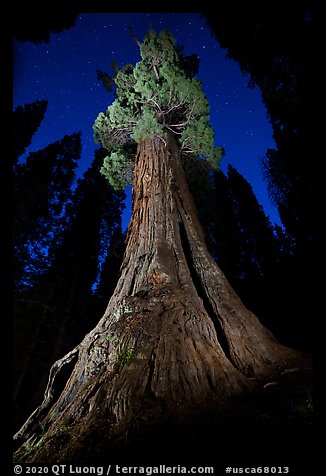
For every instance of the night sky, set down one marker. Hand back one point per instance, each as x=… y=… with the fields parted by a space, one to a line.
x=63 y=72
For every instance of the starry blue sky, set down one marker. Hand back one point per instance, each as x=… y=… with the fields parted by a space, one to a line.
x=63 y=72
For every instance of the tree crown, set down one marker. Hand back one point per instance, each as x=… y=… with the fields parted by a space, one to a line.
x=155 y=97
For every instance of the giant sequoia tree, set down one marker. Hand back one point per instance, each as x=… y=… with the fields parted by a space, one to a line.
x=175 y=336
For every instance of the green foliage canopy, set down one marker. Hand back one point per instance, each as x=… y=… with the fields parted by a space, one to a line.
x=153 y=98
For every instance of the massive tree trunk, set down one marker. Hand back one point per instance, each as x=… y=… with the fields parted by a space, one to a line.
x=174 y=337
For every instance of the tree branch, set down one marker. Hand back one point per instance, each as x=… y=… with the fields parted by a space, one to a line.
x=174 y=132
x=156 y=72
x=134 y=37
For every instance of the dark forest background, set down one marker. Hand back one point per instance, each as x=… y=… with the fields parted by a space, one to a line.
x=68 y=240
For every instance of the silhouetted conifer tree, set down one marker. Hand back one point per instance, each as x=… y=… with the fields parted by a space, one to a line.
x=110 y=270
x=58 y=312
x=26 y=120
x=242 y=240
x=255 y=231
x=36 y=23
x=42 y=190
x=283 y=66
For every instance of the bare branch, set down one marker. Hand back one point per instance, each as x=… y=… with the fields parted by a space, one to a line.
x=183 y=124
x=175 y=106
x=156 y=72
x=172 y=130
x=157 y=105
x=134 y=37
x=162 y=140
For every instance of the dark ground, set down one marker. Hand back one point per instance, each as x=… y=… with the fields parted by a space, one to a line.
x=271 y=429
x=270 y=432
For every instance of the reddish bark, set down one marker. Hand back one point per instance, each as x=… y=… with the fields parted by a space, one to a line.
x=174 y=336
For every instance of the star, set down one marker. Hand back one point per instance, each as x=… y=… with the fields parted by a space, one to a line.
x=66 y=68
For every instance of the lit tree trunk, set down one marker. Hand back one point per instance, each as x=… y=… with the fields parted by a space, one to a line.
x=174 y=336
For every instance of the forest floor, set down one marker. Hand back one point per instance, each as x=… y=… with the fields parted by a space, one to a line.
x=269 y=431
x=272 y=428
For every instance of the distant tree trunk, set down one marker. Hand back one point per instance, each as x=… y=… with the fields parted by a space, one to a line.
x=174 y=335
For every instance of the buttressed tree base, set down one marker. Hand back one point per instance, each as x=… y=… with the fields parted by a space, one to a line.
x=175 y=338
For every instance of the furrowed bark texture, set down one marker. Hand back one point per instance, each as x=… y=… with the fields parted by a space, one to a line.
x=174 y=335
